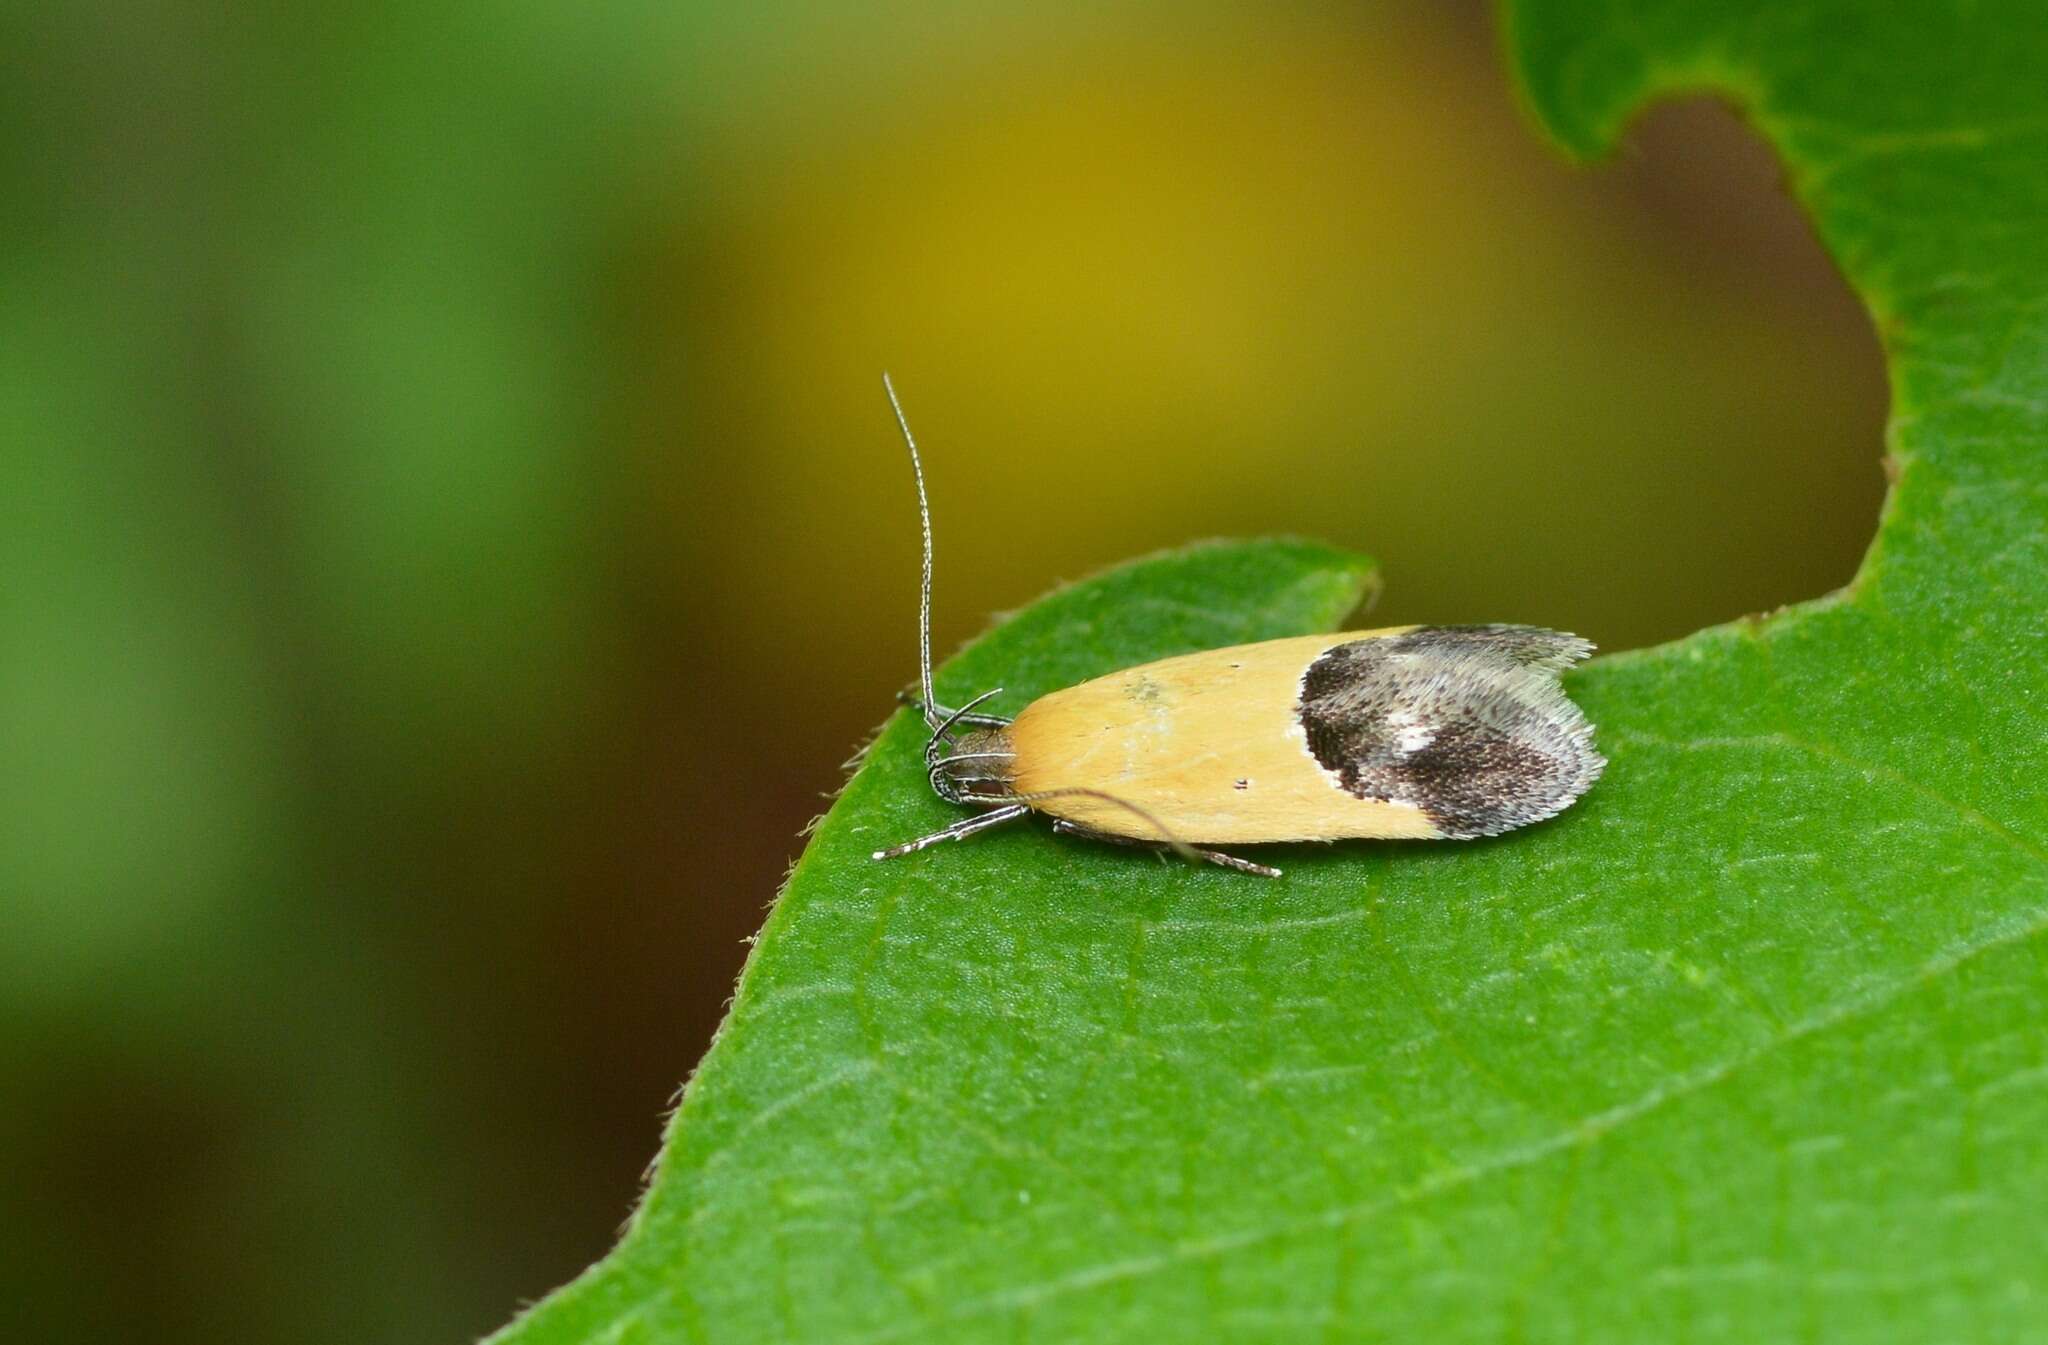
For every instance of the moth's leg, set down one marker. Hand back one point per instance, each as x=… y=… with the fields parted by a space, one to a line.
x=1062 y=827
x=965 y=827
x=979 y=721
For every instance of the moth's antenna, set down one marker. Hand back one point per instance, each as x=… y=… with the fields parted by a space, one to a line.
x=924 y=597
x=1166 y=836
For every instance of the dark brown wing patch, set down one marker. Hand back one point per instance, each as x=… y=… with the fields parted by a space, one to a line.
x=1467 y=723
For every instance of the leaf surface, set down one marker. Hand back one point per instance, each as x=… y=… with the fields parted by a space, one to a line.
x=1748 y=1045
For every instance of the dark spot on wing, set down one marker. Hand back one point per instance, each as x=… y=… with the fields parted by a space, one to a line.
x=1467 y=723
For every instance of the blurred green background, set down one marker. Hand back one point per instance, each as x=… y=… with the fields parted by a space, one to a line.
x=453 y=532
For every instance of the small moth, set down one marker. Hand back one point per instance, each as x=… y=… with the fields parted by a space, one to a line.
x=1407 y=732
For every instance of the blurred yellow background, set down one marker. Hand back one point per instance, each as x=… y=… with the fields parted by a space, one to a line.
x=454 y=533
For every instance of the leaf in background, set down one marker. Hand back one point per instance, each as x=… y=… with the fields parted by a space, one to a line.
x=1747 y=1045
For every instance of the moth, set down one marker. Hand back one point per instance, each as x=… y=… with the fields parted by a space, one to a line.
x=1406 y=732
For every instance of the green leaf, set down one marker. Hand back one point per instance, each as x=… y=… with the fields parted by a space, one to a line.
x=1749 y=1045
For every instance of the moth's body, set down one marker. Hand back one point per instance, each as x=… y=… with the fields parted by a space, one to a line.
x=1408 y=733
x=1404 y=733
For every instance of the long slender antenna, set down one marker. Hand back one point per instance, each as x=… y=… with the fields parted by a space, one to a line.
x=924 y=598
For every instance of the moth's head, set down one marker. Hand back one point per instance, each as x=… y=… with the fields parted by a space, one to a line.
x=976 y=766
